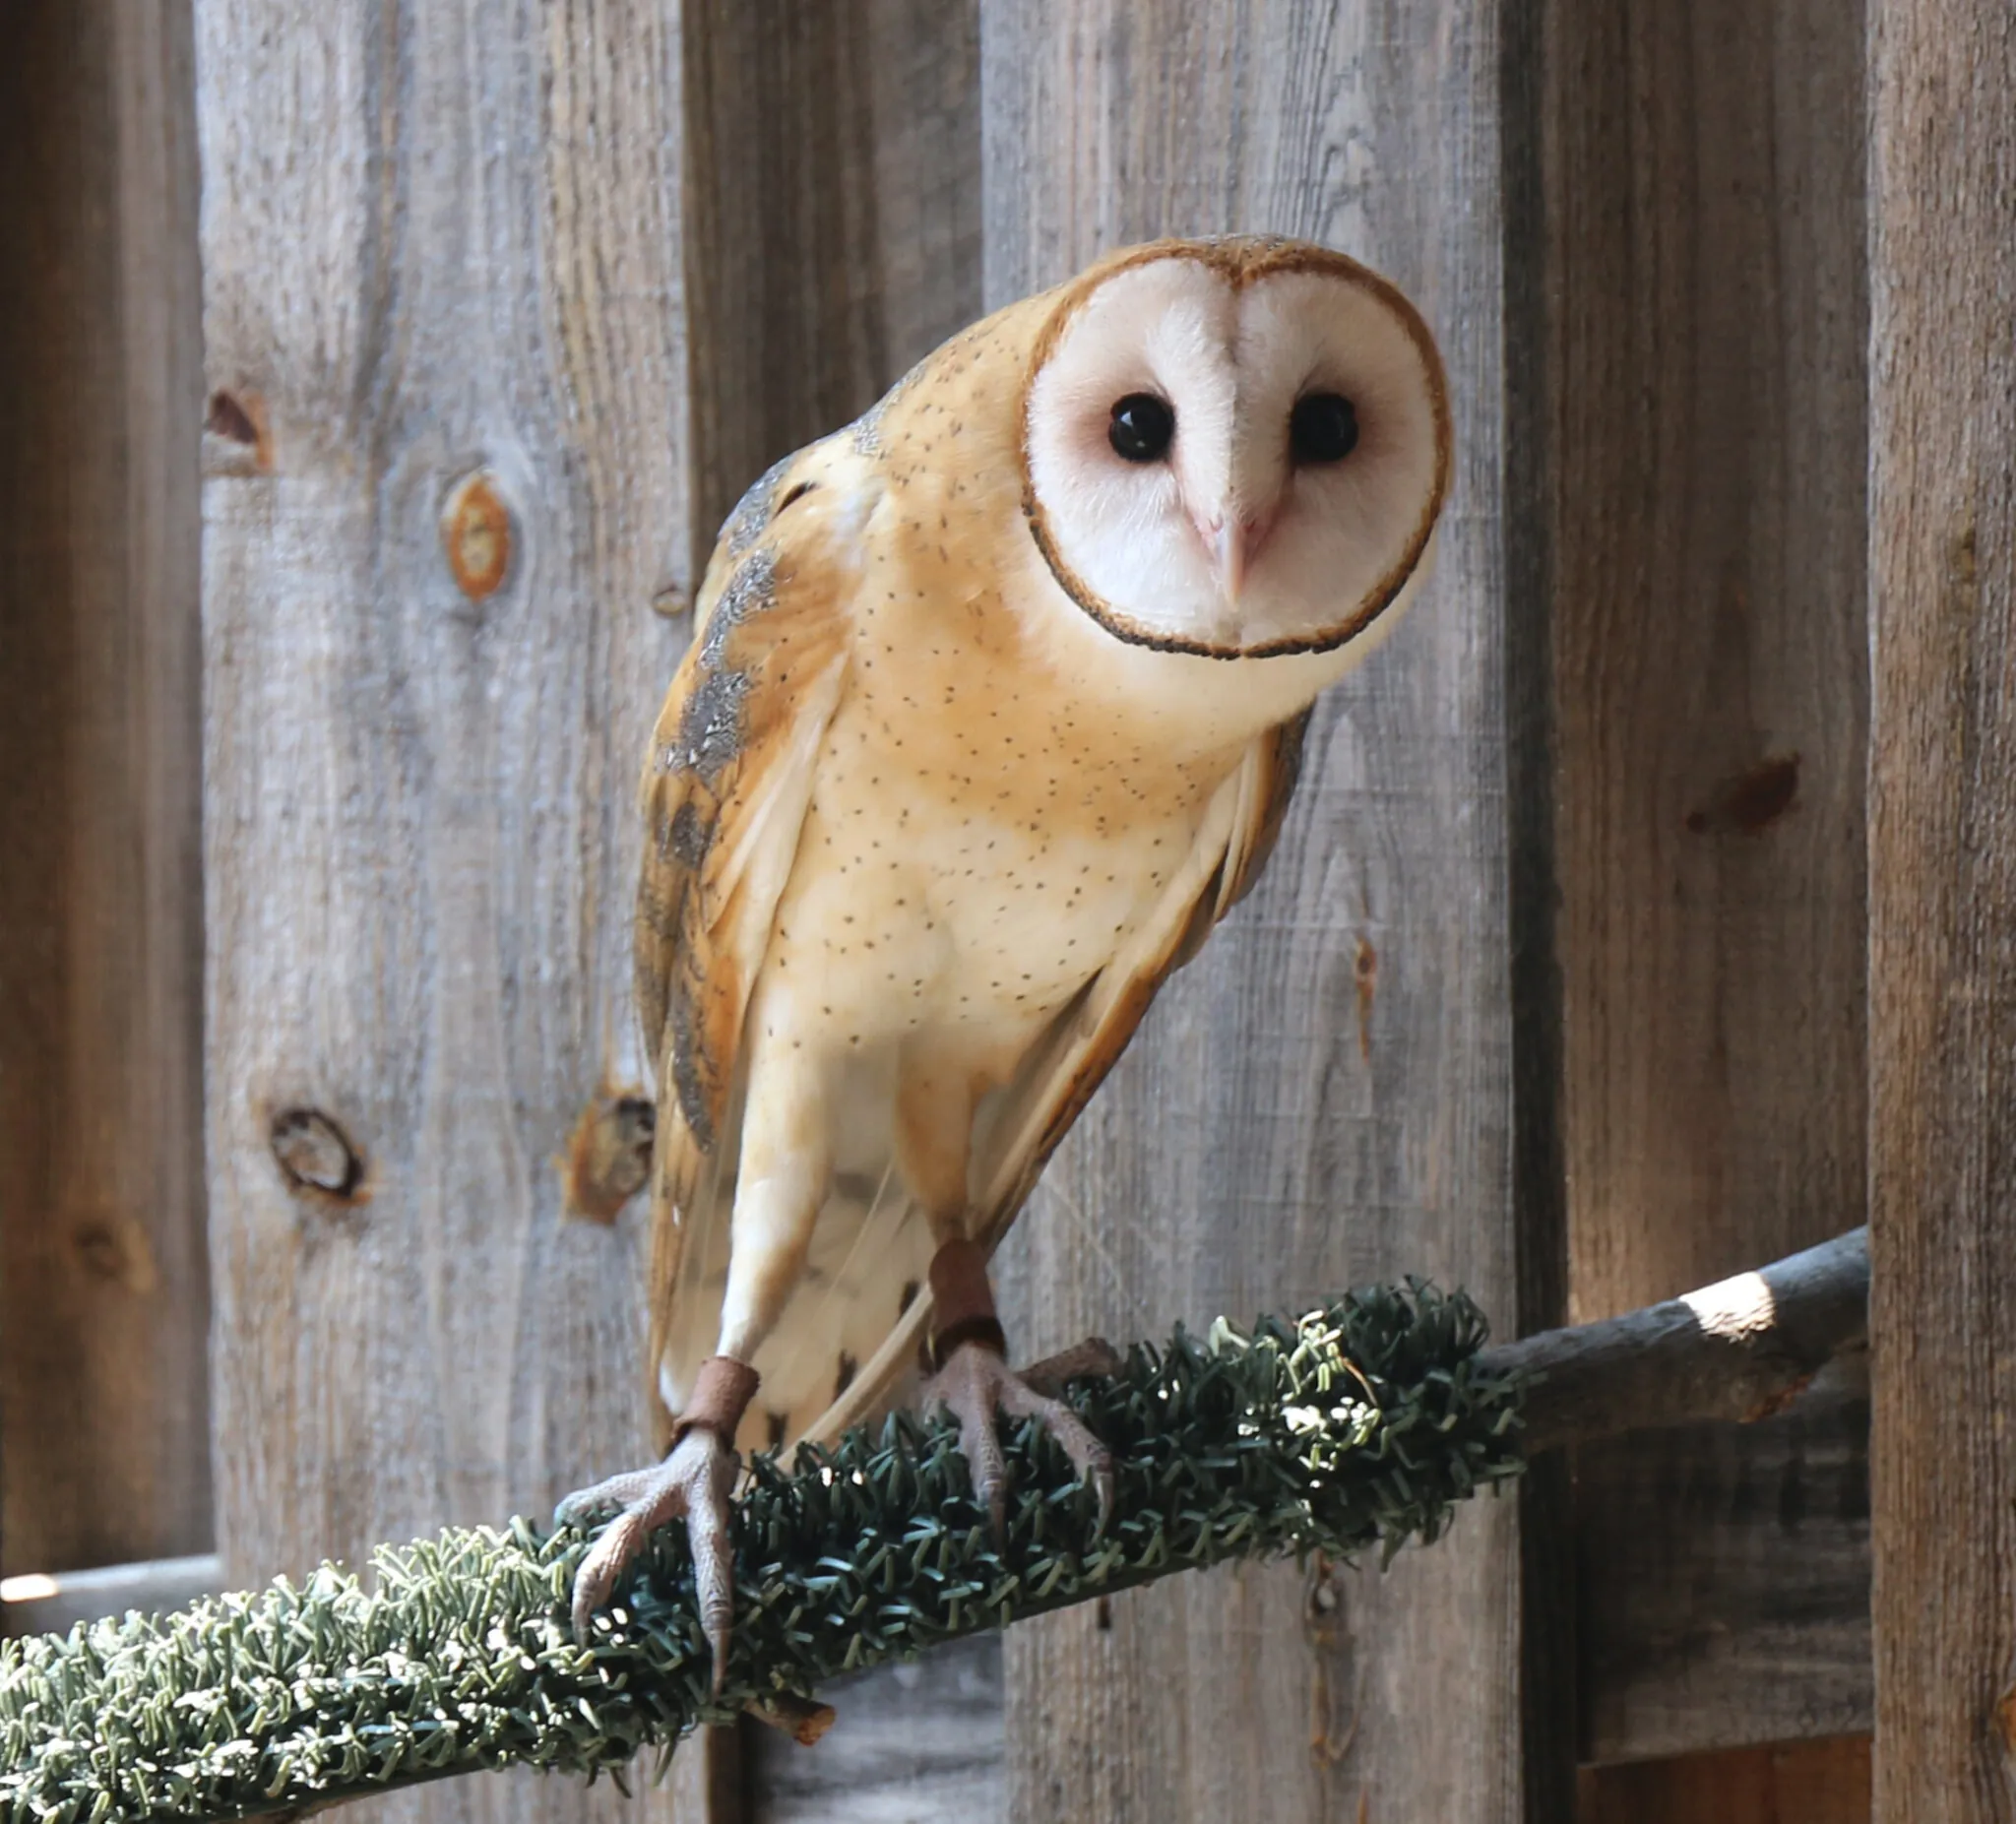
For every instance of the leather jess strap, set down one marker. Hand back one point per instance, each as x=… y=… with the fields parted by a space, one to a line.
x=722 y=1392
x=963 y=1302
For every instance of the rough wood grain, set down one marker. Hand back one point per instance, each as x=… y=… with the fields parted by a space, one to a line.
x=1324 y=1096
x=1723 y=1573
x=440 y=243
x=1943 y=886
x=1802 y=1783
x=1701 y=173
x=1705 y=176
x=915 y=1744
x=835 y=217
x=102 y=1272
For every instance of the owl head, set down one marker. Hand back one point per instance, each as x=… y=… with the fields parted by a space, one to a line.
x=1233 y=448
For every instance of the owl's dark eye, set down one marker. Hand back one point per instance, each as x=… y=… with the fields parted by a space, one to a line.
x=1322 y=428
x=1142 y=429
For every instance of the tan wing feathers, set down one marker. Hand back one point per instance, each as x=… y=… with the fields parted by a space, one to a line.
x=724 y=794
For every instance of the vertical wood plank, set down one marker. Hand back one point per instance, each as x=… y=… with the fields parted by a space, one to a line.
x=915 y=1744
x=444 y=333
x=833 y=238
x=1323 y=1098
x=1702 y=172
x=1723 y=1583
x=1943 y=886
x=1704 y=257
x=103 y=1282
x=1705 y=191
x=835 y=220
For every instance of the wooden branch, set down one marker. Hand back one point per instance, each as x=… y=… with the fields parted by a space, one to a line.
x=53 y=1602
x=1739 y=1349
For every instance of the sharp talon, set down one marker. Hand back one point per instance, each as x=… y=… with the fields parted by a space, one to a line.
x=585 y=1506
x=1102 y=1483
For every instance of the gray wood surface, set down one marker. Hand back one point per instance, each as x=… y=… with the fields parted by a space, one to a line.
x=1701 y=276
x=1724 y=1585
x=613 y=262
x=440 y=242
x=37 y=1603
x=102 y=1269
x=921 y=1743
x=1324 y=1096
x=1943 y=883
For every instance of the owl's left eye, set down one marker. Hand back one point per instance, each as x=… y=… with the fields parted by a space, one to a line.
x=1142 y=429
x=1322 y=428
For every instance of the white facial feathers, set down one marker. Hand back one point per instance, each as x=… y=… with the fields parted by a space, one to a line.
x=1297 y=455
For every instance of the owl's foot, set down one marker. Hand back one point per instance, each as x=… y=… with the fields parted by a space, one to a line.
x=973 y=1381
x=695 y=1480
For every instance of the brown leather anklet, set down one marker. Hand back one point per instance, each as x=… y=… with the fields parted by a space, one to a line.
x=722 y=1392
x=963 y=1302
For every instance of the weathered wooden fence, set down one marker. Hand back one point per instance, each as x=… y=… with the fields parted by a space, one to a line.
x=1564 y=983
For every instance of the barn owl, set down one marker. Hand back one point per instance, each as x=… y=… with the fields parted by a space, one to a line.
x=993 y=707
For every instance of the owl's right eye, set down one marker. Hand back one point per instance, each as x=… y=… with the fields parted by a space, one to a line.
x=1142 y=429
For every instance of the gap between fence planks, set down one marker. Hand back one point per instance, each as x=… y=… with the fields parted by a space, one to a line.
x=103 y=1281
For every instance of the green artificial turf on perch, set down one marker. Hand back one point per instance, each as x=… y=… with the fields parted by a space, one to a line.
x=1359 y=1425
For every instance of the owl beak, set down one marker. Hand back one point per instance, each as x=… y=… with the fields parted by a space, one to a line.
x=1234 y=542
x=1229 y=556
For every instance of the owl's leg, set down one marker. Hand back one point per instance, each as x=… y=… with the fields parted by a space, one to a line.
x=779 y=1186
x=972 y=1380
x=694 y=1481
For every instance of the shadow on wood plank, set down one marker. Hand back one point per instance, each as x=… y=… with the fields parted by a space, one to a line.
x=1723 y=1583
x=915 y=1744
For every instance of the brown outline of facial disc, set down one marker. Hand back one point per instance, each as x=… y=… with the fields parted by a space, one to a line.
x=1243 y=260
